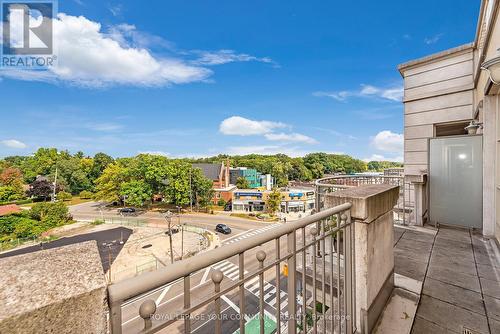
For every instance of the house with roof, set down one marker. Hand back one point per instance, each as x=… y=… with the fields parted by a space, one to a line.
x=220 y=177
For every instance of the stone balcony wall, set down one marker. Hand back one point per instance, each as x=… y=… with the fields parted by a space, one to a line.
x=60 y=290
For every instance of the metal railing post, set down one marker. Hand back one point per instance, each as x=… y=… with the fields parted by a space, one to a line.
x=187 y=304
x=217 y=277
x=292 y=282
x=348 y=273
x=261 y=256
x=241 y=276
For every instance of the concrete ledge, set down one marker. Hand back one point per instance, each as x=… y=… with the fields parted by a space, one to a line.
x=368 y=201
x=60 y=290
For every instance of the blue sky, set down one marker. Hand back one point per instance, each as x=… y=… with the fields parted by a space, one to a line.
x=186 y=78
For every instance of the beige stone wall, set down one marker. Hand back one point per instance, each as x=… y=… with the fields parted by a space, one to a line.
x=436 y=91
x=60 y=290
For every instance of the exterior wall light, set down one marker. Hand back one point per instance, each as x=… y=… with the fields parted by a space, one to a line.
x=493 y=68
x=472 y=127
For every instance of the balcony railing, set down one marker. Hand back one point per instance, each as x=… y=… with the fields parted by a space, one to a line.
x=310 y=262
x=404 y=209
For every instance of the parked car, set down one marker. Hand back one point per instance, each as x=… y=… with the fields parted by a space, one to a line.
x=126 y=210
x=172 y=231
x=223 y=228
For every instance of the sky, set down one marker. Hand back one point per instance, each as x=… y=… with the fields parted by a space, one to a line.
x=199 y=78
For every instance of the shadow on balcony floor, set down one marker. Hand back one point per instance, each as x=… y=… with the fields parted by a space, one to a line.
x=456 y=276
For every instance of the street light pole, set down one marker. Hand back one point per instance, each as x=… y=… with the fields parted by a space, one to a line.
x=55 y=187
x=191 y=189
x=168 y=217
x=182 y=229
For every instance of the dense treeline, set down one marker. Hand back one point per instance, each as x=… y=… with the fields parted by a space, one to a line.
x=138 y=178
x=312 y=166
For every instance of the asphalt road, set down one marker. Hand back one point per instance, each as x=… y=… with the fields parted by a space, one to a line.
x=91 y=211
x=108 y=243
x=169 y=298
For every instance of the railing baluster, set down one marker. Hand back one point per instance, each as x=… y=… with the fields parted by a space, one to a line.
x=278 y=288
x=323 y=278
x=241 y=259
x=261 y=256
x=187 y=304
x=303 y=283
x=339 y=312
x=115 y=314
x=332 y=304
x=353 y=268
x=314 y=232
x=344 y=241
x=348 y=274
x=217 y=277
x=292 y=282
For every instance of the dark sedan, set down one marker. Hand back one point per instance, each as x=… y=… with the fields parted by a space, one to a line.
x=222 y=228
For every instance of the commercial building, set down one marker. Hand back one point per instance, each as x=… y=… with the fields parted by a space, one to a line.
x=452 y=130
x=294 y=200
x=255 y=179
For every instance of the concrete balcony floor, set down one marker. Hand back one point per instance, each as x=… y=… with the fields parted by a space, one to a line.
x=446 y=280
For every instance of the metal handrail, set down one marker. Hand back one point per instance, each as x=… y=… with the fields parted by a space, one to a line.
x=321 y=182
x=403 y=211
x=132 y=287
x=119 y=292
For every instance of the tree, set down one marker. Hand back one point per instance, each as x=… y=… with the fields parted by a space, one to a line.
x=202 y=188
x=41 y=189
x=100 y=162
x=136 y=192
x=242 y=183
x=64 y=196
x=50 y=214
x=86 y=194
x=108 y=185
x=273 y=201
x=9 y=193
x=11 y=184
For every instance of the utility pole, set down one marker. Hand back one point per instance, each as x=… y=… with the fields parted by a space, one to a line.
x=182 y=229
x=168 y=217
x=191 y=188
x=55 y=187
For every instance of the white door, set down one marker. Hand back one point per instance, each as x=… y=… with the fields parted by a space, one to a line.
x=456 y=181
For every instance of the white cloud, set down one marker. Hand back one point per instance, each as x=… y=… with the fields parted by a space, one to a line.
x=389 y=141
x=104 y=126
x=339 y=96
x=241 y=126
x=265 y=150
x=394 y=93
x=160 y=153
x=13 y=143
x=116 y=10
x=433 y=39
x=89 y=57
x=379 y=157
x=290 y=137
x=227 y=56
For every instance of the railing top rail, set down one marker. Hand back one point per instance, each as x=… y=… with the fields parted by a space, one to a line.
x=324 y=181
x=132 y=287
